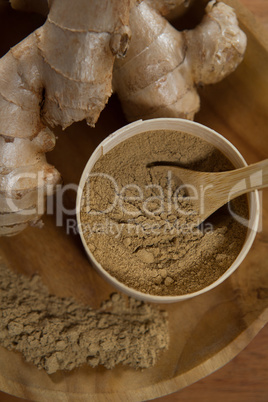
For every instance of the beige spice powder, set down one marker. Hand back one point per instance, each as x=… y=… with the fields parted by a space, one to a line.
x=138 y=235
x=61 y=334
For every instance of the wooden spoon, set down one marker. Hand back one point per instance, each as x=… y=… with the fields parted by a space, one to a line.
x=210 y=191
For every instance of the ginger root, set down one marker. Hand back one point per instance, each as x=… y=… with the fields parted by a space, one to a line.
x=67 y=69
x=159 y=74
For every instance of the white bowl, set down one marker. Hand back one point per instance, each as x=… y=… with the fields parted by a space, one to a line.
x=200 y=131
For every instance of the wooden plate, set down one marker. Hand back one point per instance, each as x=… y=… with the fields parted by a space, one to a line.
x=206 y=332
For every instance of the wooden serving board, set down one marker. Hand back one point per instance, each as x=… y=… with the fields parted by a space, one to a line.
x=206 y=332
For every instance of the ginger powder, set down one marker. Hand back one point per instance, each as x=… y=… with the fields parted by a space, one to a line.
x=137 y=220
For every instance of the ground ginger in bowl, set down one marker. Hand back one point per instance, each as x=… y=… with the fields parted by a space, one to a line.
x=136 y=220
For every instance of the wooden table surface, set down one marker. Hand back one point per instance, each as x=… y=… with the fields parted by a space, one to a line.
x=245 y=378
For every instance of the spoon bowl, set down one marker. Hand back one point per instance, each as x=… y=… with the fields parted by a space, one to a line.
x=209 y=191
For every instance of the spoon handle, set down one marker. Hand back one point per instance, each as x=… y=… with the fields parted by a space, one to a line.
x=243 y=180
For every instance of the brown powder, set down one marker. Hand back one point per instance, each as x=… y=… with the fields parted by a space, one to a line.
x=58 y=333
x=137 y=234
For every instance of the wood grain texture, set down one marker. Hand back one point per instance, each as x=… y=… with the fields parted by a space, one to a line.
x=259 y=9
x=207 y=332
x=244 y=379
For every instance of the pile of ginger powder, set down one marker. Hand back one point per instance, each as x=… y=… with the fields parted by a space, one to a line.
x=56 y=333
